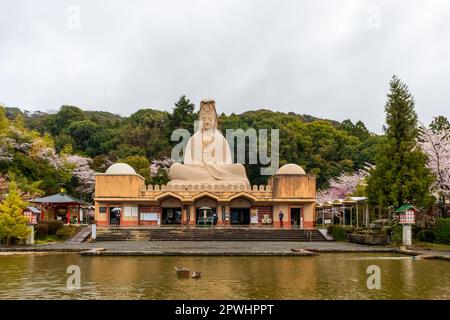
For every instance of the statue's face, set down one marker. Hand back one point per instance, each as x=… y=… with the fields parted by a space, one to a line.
x=208 y=119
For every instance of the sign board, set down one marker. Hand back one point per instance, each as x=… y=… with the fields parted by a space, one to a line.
x=327 y=221
x=254 y=215
x=149 y=216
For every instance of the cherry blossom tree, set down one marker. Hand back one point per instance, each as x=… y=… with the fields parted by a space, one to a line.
x=436 y=145
x=83 y=173
x=5 y=154
x=49 y=155
x=344 y=185
x=159 y=170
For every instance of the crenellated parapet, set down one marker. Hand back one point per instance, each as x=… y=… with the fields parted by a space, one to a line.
x=220 y=191
x=208 y=187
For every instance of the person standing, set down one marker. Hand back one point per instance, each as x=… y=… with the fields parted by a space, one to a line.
x=118 y=218
x=281 y=216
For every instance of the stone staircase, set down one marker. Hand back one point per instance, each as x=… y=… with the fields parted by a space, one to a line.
x=207 y=234
x=82 y=235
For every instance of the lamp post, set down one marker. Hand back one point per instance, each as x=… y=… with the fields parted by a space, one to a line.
x=407 y=215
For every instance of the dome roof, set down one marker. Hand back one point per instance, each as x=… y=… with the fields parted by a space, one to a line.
x=291 y=168
x=120 y=168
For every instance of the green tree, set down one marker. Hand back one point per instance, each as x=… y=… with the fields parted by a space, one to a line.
x=400 y=175
x=182 y=115
x=440 y=123
x=82 y=133
x=4 y=123
x=140 y=164
x=63 y=118
x=13 y=224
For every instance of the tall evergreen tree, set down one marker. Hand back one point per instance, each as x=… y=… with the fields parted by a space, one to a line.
x=400 y=175
x=183 y=115
x=440 y=123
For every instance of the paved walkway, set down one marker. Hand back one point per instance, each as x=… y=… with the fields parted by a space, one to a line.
x=213 y=248
x=209 y=246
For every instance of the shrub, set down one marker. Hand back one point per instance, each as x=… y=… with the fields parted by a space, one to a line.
x=397 y=234
x=338 y=232
x=54 y=226
x=425 y=235
x=441 y=230
x=41 y=230
x=67 y=231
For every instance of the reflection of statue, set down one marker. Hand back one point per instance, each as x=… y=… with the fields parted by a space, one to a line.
x=207 y=158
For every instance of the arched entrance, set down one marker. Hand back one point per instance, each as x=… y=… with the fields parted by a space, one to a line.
x=171 y=209
x=240 y=211
x=206 y=211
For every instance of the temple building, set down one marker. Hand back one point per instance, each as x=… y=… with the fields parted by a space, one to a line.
x=207 y=188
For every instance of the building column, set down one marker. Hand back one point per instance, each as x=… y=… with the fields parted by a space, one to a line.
x=219 y=214
x=192 y=217
x=227 y=212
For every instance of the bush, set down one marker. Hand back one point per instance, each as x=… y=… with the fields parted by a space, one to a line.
x=67 y=231
x=397 y=234
x=54 y=226
x=441 y=230
x=41 y=230
x=339 y=233
x=425 y=236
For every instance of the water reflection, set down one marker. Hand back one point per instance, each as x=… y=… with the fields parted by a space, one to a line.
x=327 y=276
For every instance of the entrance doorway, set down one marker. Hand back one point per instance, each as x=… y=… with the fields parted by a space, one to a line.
x=296 y=217
x=171 y=215
x=206 y=215
x=113 y=213
x=240 y=216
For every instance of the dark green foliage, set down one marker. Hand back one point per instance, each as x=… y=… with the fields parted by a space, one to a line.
x=441 y=230
x=182 y=115
x=401 y=175
x=397 y=234
x=425 y=236
x=54 y=226
x=440 y=123
x=339 y=232
x=140 y=164
x=41 y=230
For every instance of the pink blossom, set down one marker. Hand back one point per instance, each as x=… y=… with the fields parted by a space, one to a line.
x=158 y=165
x=344 y=185
x=436 y=145
x=83 y=173
x=49 y=155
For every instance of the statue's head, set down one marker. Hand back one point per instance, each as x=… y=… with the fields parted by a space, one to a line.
x=208 y=114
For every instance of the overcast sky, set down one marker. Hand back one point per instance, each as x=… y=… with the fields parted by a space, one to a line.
x=331 y=59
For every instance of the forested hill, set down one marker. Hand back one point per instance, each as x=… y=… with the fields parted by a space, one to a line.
x=323 y=147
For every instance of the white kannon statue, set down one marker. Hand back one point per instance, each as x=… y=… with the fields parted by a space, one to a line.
x=207 y=158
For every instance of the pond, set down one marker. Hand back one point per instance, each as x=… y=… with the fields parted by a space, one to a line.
x=325 y=276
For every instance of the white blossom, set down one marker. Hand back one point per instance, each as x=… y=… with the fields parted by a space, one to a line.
x=436 y=145
x=83 y=173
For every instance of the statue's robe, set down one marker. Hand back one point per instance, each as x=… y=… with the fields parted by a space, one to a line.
x=207 y=160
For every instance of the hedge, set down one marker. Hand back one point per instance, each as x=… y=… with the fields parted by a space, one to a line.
x=441 y=230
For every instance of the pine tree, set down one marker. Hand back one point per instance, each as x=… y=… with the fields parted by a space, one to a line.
x=400 y=175
x=439 y=123
x=13 y=224
x=183 y=115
